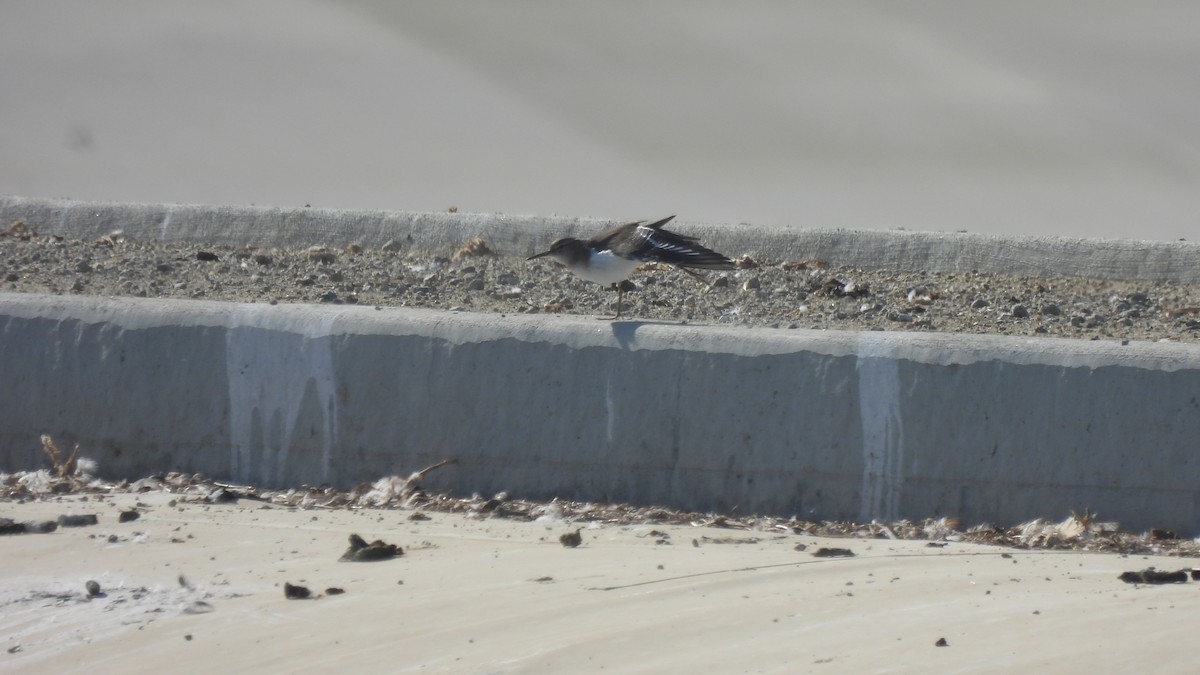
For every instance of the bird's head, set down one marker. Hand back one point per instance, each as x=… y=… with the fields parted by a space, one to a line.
x=563 y=251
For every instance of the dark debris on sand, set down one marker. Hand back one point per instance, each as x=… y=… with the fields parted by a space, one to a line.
x=1075 y=533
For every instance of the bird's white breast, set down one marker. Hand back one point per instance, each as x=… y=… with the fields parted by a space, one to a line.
x=606 y=268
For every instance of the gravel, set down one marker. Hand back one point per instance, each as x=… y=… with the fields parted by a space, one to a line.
x=809 y=294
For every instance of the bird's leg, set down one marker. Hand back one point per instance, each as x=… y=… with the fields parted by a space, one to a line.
x=618 y=314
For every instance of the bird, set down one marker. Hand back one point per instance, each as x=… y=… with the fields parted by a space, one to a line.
x=611 y=256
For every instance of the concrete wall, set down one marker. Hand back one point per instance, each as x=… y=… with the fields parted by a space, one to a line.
x=818 y=424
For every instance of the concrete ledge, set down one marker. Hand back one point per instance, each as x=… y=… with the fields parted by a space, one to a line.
x=442 y=233
x=818 y=424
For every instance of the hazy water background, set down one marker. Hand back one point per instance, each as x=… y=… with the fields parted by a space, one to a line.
x=1073 y=117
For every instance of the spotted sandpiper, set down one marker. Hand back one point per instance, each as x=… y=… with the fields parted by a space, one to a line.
x=611 y=256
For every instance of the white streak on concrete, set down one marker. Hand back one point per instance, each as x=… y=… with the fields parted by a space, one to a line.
x=610 y=405
x=882 y=429
x=165 y=225
x=62 y=218
x=272 y=364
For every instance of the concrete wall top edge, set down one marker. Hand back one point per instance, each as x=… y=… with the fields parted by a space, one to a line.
x=316 y=321
x=442 y=233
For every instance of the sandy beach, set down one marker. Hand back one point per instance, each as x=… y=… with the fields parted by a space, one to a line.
x=196 y=587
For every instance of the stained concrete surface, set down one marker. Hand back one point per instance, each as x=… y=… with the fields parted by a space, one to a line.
x=824 y=425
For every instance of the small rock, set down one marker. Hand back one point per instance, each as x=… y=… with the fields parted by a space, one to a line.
x=941 y=643
x=979 y=303
x=334 y=590
x=10 y=526
x=128 y=516
x=207 y=256
x=571 y=539
x=40 y=526
x=93 y=588
x=78 y=520
x=833 y=553
x=361 y=551
x=1153 y=576
x=1019 y=311
x=1051 y=309
x=292 y=592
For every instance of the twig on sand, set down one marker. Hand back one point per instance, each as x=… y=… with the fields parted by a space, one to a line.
x=414 y=481
x=61 y=469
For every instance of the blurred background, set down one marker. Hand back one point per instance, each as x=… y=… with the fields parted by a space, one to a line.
x=1072 y=117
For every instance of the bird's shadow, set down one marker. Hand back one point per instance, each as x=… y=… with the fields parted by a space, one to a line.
x=625 y=332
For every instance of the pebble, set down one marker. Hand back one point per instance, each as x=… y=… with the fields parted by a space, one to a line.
x=571 y=539
x=72 y=520
x=295 y=592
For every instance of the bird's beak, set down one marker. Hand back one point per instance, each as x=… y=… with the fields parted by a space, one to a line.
x=539 y=255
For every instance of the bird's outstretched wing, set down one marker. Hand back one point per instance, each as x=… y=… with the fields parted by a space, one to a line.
x=664 y=246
